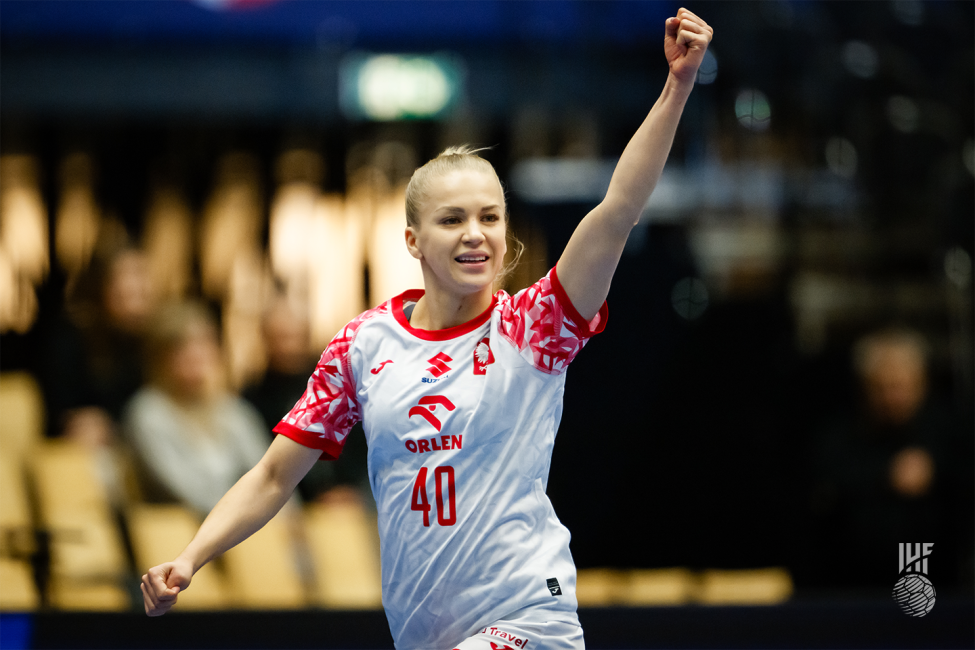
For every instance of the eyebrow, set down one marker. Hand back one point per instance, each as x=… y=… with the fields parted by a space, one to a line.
x=450 y=209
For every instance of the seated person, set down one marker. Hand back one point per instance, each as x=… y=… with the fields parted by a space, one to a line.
x=191 y=437
x=91 y=360
x=888 y=473
x=90 y=363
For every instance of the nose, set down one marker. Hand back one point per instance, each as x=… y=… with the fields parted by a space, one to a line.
x=472 y=233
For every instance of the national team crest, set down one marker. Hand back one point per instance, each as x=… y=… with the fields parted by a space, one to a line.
x=483 y=357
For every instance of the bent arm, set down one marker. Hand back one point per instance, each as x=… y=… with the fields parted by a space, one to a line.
x=246 y=507
x=590 y=258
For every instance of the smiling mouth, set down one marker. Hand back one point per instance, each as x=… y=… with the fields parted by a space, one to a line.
x=471 y=259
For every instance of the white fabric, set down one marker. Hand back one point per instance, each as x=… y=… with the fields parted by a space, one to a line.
x=469 y=413
x=515 y=635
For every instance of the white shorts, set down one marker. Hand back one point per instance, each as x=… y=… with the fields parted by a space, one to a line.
x=506 y=635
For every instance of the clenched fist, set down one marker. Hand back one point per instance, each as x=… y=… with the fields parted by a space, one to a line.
x=161 y=585
x=686 y=39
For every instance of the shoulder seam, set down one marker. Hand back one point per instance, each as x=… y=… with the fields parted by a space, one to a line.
x=363 y=319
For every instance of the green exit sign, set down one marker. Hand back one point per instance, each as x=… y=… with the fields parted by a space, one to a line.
x=386 y=87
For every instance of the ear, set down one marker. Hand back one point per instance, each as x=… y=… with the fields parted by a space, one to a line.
x=411 y=243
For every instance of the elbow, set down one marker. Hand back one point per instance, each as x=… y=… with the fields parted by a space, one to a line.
x=273 y=479
x=620 y=217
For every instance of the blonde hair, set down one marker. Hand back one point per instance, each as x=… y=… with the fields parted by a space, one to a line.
x=170 y=328
x=463 y=157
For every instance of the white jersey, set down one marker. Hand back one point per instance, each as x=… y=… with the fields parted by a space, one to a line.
x=460 y=424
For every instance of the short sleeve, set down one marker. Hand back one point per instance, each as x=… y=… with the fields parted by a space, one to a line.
x=328 y=409
x=545 y=327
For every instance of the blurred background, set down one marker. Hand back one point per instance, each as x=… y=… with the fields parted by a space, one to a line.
x=195 y=195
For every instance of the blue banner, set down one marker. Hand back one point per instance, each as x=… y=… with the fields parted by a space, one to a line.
x=430 y=23
x=15 y=631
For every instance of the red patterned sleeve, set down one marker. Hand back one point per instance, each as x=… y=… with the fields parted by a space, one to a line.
x=545 y=327
x=328 y=409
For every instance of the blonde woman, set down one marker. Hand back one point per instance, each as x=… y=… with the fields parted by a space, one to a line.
x=192 y=439
x=459 y=389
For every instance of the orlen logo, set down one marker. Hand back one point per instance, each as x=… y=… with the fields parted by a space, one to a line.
x=439 y=366
x=429 y=404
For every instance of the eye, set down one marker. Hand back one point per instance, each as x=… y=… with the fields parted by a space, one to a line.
x=450 y=220
x=490 y=218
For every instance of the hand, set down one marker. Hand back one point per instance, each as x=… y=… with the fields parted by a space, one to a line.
x=686 y=38
x=161 y=585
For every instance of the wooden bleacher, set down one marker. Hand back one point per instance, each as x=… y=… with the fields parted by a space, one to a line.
x=263 y=570
x=344 y=547
x=21 y=428
x=158 y=534
x=88 y=560
x=260 y=573
x=18 y=591
x=21 y=415
x=681 y=586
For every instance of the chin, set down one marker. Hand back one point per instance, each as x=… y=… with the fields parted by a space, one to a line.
x=478 y=282
x=470 y=288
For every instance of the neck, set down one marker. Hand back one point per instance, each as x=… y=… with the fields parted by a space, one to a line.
x=438 y=310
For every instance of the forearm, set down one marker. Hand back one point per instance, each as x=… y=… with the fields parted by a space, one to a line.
x=244 y=510
x=643 y=160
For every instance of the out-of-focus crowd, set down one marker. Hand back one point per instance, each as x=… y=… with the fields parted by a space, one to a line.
x=146 y=380
x=141 y=385
x=897 y=468
x=135 y=389
x=170 y=377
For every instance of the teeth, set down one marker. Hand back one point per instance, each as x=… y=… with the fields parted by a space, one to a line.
x=472 y=259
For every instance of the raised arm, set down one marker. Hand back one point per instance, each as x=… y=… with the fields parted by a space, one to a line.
x=246 y=507
x=590 y=258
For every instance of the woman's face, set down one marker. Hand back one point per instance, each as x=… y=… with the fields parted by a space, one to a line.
x=460 y=239
x=128 y=292
x=195 y=362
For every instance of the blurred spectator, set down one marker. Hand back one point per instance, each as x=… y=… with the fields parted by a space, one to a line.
x=289 y=365
x=92 y=365
x=192 y=439
x=289 y=362
x=892 y=472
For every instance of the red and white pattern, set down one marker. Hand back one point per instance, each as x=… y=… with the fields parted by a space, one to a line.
x=460 y=425
x=544 y=326
x=328 y=409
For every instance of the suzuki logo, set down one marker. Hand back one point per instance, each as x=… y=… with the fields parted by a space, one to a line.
x=439 y=362
x=429 y=404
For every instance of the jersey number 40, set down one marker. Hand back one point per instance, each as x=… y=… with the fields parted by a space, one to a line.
x=443 y=478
